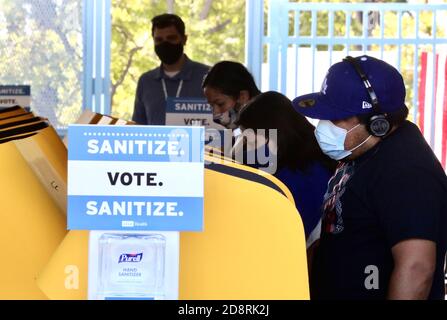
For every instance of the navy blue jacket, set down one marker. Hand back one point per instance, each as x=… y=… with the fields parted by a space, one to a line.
x=150 y=100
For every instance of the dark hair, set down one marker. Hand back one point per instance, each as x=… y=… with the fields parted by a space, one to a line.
x=166 y=20
x=231 y=78
x=297 y=146
x=396 y=118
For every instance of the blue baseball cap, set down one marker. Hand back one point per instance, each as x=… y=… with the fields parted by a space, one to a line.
x=343 y=94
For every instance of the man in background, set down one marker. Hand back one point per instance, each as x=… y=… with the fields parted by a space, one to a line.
x=176 y=77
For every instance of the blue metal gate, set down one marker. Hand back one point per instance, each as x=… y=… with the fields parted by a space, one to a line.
x=301 y=40
x=96 y=58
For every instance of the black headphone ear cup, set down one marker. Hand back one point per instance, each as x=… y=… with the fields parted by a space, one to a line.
x=378 y=125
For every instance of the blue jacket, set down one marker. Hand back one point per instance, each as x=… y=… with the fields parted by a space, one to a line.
x=308 y=189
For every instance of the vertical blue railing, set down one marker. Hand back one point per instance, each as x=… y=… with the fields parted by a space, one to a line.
x=87 y=34
x=275 y=14
x=281 y=75
x=254 y=33
x=96 y=55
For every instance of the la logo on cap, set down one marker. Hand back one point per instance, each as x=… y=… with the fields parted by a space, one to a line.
x=366 y=105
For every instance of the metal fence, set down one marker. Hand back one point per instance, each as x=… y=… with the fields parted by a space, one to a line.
x=96 y=58
x=292 y=50
x=41 y=46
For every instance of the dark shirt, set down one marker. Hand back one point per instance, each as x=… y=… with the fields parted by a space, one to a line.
x=150 y=100
x=394 y=192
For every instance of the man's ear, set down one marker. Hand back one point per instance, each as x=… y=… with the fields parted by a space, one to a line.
x=185 y=39
x=244 y=97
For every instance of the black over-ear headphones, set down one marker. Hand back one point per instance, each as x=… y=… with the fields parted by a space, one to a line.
x=377 y=124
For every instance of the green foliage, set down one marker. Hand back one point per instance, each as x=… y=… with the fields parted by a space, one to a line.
x=41 y=45
x=215 y=29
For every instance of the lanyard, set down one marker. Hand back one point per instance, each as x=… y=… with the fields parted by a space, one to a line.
x=179 y=89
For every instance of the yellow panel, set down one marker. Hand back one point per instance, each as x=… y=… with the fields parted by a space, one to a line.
x=54 y=149
x=47 y=156
x=231 y=163
x=13 y=112
x=25 y=116
x=31 y=227
x=66 y=275
x=253 y=247
x=23 y=126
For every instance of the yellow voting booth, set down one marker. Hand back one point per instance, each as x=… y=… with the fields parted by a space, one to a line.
x=32 y=225
x=252 y=247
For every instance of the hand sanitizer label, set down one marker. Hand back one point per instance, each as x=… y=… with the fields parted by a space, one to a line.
x=130 y=257
x=132 y=265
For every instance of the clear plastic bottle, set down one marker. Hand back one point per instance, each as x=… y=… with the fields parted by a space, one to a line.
x=131 y=266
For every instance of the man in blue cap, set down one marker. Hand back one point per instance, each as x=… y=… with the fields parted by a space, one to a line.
x=384 y=222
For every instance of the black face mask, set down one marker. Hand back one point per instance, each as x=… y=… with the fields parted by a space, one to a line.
x=169 y=53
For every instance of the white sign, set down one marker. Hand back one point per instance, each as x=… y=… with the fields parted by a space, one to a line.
x=190 y=112
x=15 y=95
x=135 y=178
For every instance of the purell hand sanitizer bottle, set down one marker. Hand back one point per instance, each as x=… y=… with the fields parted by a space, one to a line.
x=131 y=266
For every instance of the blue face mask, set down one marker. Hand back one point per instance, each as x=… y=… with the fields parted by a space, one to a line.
x=332 y=139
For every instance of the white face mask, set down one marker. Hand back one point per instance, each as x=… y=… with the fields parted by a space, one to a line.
x=332 y=139
x=226 y=118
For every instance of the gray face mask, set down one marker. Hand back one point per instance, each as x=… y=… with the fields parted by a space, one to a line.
x=227 y=118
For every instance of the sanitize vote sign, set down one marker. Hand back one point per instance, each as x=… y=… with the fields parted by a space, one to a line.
x=135 y=178
x=188 y=112
x=15 y=95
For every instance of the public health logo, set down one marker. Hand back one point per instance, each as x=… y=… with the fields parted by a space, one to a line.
x=130 y=257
